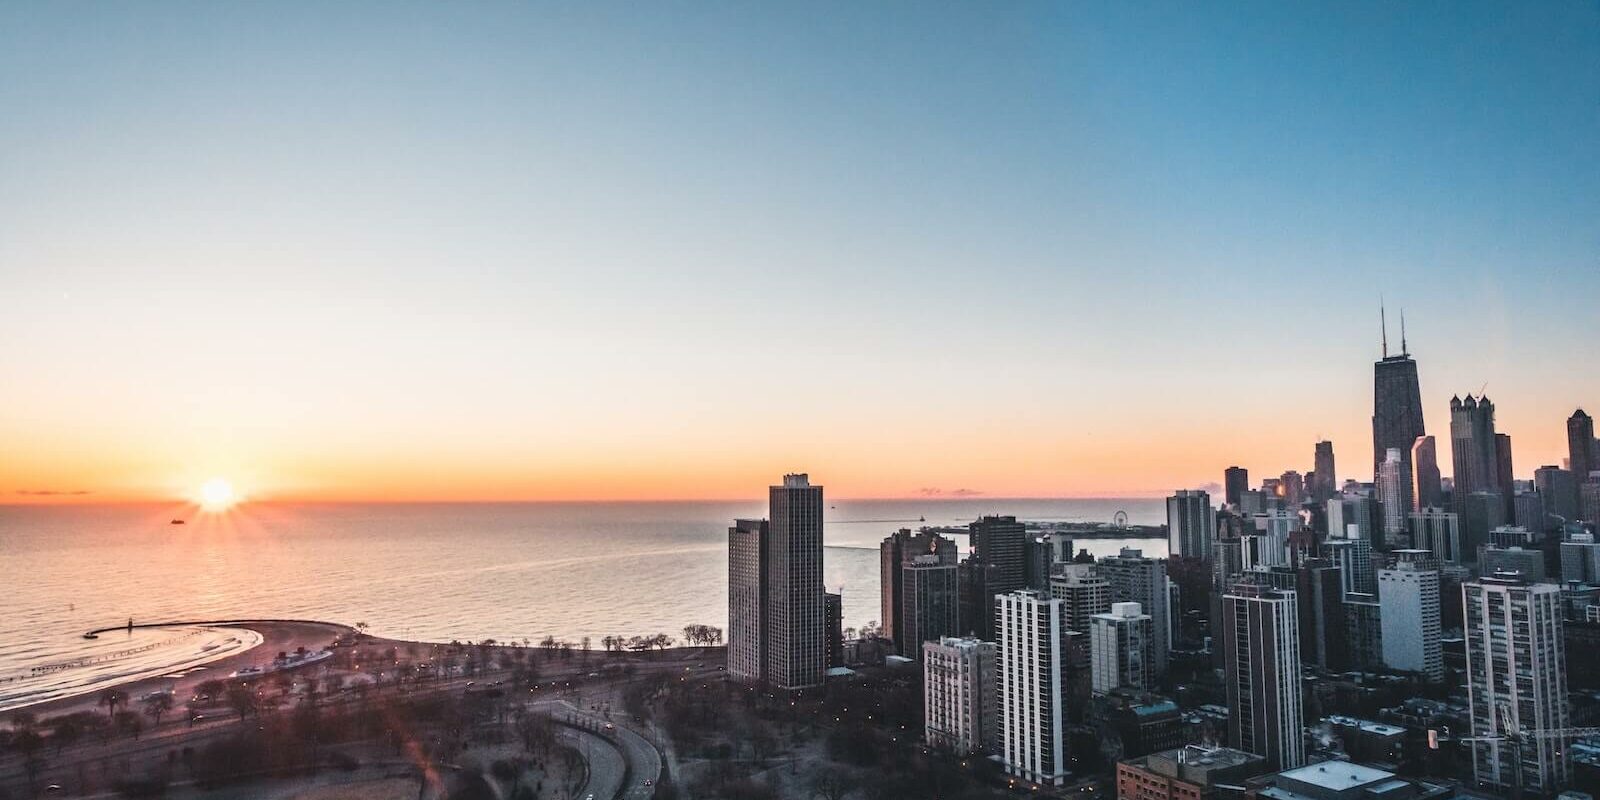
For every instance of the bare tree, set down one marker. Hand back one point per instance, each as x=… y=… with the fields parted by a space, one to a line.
x=157 y=704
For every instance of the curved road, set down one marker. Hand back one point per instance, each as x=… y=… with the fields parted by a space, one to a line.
x=620 y=765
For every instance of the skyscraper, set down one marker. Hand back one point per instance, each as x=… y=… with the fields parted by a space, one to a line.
x=959 y=694
x=747 y=594
x=1235 y=481
x=1292 y=487
x=1580 y=445
x=1438 y=531
x=1121 y=647
x=1559 y=490
x=1325 y=478
x=1261 y=662
x=1409 y=595
x=937 y=557
x=1472 y=446
x=1030 y=657
x=795 y=612
x=1580 y=560
x=1504 y=473
x=1000 y=544
x=929 y=603
x=1135 y=578
x=1083 y=593
x=1191 y=524
x=1426 y=491
x=1396 y=410
x=1516 y=681
x=1319 y=594
x=1391 y=496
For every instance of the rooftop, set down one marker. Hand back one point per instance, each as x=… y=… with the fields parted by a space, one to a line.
x=1337 y=775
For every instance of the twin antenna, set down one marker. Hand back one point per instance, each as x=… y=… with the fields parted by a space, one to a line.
x=1383 y=320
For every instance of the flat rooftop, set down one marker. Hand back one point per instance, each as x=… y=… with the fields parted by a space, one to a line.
x=1337 y=775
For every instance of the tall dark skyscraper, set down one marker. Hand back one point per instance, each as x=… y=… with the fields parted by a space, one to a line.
x=918 y=576
x=796 y=609
x=1191 y=524
x=1325 y=478
x=1503 y=471
x=1396 y=409
x=1236 y=481
x=1472 y=446
x=1580 y=445
x=1000 y=546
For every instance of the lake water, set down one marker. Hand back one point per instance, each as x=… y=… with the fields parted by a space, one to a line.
x=421 y=571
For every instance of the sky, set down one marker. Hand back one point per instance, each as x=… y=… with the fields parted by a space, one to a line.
x=519 y=251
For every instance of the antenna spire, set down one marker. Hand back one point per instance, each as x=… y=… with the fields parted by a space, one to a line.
x=1383 y=319
x=1403 y=350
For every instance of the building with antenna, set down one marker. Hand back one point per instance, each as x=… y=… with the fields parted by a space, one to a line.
x=1396 y=409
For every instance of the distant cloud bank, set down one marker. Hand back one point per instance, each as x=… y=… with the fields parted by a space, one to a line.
x=937 y=492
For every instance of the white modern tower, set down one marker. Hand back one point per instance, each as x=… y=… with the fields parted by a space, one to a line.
x=1032 y=736
x=1121 y=649
x=1516 y=682
x=1408 y=595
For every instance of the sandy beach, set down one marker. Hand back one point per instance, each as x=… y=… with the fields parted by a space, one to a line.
x=276 y=636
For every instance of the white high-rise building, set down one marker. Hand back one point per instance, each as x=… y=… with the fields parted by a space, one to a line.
x=1261 y=664
x=1392 y=494
x=1408 y=594
x=1137 y=578
x=1438 y=530
x=1121 y=648
x=1516 y=682
x=1353 y=556
x=1083 y=593
x=1032 y=737
x=959 y=694
x=1269 y=545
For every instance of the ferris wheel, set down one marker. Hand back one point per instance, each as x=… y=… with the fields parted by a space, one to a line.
x=1120 y=519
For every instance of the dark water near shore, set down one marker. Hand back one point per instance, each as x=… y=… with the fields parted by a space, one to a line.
x=434 y=572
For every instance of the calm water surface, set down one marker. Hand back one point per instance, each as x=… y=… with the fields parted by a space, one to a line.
x=433 y=572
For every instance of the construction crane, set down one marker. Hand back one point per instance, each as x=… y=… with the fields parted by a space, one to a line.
x=1514 y=736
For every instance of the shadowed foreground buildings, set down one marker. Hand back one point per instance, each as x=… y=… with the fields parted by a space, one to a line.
x=1187 y=773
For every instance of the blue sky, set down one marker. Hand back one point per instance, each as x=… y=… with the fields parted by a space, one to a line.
x=972 y=244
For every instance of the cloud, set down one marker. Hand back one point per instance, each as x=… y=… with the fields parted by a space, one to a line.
x=966 y=492
x=933 y=491
x=1211 y=488
x=53 y=492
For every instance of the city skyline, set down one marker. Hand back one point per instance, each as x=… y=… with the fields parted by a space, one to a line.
x=374 y=254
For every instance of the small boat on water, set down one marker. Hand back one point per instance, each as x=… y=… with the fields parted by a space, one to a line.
x=91 y=636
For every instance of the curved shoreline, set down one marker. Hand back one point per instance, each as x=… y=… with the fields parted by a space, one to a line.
x=213 y=623
x=274 y=635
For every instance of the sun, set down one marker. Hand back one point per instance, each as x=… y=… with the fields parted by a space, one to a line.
x=217 y=495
